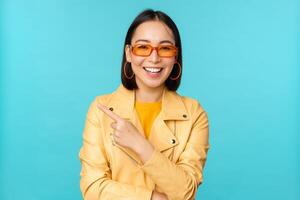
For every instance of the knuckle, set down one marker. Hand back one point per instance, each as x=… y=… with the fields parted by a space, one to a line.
x=117 y=134
x=122 y=123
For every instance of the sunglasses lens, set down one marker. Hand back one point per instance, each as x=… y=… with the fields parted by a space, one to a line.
x=167 y=51
x=163 y=51
x=142 y=50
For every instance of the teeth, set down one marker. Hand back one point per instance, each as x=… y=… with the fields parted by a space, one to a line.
x=153 y=70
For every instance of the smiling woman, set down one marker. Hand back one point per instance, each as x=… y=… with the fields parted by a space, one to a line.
x=151 y=68
x=144 y=140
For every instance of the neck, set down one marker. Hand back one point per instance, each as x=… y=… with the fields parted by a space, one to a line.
x=144 y=94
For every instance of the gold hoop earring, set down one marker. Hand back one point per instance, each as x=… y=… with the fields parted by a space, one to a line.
x=124 y=66
x=178 y=73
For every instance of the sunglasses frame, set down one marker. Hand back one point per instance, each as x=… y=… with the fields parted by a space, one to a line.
x=155 y=48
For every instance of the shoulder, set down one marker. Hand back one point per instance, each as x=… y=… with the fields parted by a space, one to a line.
x=192 y=104
x=116 y=94
x=194 y=108
x=98 y=99
x=102 y=99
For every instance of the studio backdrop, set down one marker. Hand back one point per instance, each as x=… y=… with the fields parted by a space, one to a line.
x=240 y=60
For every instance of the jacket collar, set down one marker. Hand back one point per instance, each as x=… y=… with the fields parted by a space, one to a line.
x=172 y=108
x=162 y=137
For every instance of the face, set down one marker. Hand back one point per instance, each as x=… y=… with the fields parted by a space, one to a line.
x=154 y=33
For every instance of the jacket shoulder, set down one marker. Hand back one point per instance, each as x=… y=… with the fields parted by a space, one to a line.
x=99 y=99
x=193 y=105
x=103 y=98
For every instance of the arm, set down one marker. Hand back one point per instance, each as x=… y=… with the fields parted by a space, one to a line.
x=95 y=181
x=179 y=181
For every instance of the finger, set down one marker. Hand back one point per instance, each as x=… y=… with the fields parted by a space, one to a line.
x=114 y=125
x=111 y=114
x=115 y=134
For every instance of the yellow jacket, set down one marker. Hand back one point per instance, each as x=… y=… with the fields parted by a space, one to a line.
x=179 y=135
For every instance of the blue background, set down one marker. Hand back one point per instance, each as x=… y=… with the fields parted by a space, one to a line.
x=241 y=61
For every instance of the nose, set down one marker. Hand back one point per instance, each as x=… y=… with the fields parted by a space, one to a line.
x=154 y=56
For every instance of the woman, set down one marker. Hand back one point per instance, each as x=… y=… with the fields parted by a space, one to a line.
x=145 y=141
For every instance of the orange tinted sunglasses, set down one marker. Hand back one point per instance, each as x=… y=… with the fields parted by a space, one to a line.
x=144 y=50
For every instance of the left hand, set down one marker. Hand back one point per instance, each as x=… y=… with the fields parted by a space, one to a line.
x=125 y=133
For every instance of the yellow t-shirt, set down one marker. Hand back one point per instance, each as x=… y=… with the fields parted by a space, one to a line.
x=147 y=112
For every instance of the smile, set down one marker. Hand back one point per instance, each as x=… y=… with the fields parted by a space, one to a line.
x=152 y=69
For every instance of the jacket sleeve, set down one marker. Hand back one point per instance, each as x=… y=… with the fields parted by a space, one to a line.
x=179 y=181
x=95 y=175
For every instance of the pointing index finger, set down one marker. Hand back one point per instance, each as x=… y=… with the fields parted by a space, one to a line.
x=111 y=114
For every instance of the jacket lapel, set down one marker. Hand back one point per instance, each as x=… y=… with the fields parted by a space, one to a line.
x=162 y=136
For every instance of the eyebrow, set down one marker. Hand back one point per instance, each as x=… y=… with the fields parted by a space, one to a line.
x=163 y=41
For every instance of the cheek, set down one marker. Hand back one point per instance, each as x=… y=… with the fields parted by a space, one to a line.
x=169 y=64
x=137 y=61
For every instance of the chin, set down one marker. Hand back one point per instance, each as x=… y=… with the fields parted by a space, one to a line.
x=153 y=84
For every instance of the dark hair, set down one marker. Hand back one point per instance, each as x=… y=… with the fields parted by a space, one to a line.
x=151 y=15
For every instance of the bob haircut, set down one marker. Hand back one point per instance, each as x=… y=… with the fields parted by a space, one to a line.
x=144 y=16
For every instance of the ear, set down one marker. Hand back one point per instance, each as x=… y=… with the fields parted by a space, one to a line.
x=128 y=53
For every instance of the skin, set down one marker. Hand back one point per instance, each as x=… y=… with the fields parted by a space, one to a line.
x=155 y=33
x=150 y=89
